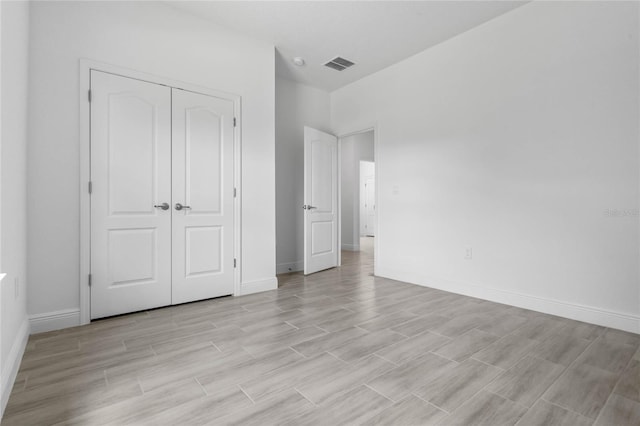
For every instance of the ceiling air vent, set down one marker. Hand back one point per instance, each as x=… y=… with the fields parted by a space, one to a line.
x=339 y=64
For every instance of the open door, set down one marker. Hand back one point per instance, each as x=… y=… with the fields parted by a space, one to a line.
x=320 y=201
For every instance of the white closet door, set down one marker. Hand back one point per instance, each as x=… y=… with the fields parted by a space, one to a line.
x=203 y=185
x=130 y=174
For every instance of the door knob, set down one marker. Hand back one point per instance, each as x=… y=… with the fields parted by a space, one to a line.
x=308 y=207
x=181 y=207
x=163 y=206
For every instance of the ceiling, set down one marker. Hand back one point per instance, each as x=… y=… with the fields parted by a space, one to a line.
x=373 y=34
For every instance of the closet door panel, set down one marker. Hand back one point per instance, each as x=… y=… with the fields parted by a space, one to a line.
x=203 y=161
x=130 y=174
x=202 y=135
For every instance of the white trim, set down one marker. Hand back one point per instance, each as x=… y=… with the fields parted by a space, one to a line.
x=258 y=286
x=375 y=129
x=12 y=364
x=285 y=268
x=55 y=320
x=237 y=182
x=339 y=218
x=351 y=247
x=2 y=385
x=85 y=201
x=590 y=314
x=86 y=65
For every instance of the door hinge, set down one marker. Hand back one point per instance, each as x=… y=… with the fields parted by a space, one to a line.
x=235 y=263
x=234 y=122
x=89 y=280
x=89 y=95
x=235 y=193
x=90 y=187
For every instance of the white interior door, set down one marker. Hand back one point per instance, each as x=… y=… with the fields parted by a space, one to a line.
x=203 y=185
x=320 y=200
x=367 y=198
x=370 y=206
x=130 y=174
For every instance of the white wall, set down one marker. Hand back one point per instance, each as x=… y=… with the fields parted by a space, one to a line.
x=353 y=149
x=13 y=191
x=518 y=138
x=297 y=105
x=157 y=39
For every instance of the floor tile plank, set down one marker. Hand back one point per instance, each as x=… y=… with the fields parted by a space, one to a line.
x=412 y=347
x=409 y=411
x=620 y=411
x=328 y=341
x=583 y=389
x=402 y=381
x=350 y=408
x=466 y=345
x=453 y=386
x=504 y=353
x=365 y=345
x=629 y=384
x=544 y=413
x=527 y=380
x=347 y=377
x=486 y=408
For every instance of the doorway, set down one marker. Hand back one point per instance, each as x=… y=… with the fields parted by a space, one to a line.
x=161 y=195
x=334 y=203
x=358 y=197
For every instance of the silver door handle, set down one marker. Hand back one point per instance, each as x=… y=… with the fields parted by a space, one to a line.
x=181 y=207
x=308 y=207
x=163 y=206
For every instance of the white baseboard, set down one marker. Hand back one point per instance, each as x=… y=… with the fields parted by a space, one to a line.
x=590 y=314
x=258 y=286
x=284 y=268
x=56 y=320
x=351 y=247
x=12 y=364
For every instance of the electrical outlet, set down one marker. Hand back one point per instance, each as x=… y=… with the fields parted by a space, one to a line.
x=16 y=283
x=468 y=253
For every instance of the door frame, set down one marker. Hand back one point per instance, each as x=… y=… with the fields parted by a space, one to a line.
x=372 y=128
x=86 y=66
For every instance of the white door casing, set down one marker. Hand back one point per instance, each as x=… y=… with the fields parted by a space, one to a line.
x=89 y=67
x=203 y=230
x=320 y=200
x=130 y=173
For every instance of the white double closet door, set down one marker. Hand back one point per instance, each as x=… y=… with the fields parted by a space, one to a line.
x=162 y=208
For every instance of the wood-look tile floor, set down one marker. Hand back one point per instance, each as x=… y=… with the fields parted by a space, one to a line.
x=337 y=347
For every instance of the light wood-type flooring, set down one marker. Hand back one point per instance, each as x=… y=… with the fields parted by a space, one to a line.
x=337 y=347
